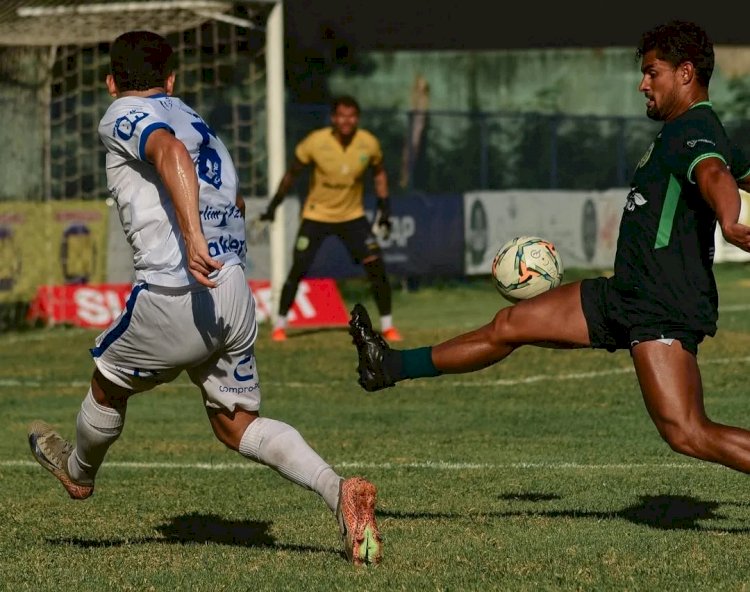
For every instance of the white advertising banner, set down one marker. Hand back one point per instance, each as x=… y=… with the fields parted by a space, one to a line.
x=582 y=225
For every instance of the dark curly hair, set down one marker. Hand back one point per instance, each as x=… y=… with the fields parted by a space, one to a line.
x=344 y=101
x=140 y=60
x=678 y=42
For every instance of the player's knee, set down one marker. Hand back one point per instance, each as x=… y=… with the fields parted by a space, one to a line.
x=230 y=427
x=107 y=393
x=505 y=326
x=685 y=437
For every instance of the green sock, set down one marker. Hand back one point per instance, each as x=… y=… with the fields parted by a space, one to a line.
x=414 y=363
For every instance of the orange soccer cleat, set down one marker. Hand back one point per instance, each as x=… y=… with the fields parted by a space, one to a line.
x=392 y=334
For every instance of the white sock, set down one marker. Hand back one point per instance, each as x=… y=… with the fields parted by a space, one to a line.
x=97 y=427
x=281 y=447
x=280 y=323
x=386 y=322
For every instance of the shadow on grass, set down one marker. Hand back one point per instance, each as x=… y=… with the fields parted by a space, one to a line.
x=665 y=512
x=201 y=529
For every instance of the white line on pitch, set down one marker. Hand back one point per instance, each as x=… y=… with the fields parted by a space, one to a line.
x=497 y=382
x=734 y=307
x=428 y=465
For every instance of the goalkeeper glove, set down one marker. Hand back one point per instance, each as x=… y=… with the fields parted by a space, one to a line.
x=382 y=224
x=270 y=212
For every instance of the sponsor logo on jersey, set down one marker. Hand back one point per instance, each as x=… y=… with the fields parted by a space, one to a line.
x=634 y=200
x=239 y=390
x=125 y=125
x=302 y=243
x=694 y=143
x=226 y=244
x=244 y=370
x=220 y=216
x=646 y=156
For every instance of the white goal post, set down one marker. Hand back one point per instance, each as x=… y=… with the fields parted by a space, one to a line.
x=230 y=69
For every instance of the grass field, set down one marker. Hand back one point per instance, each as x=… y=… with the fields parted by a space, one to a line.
x=541 y=473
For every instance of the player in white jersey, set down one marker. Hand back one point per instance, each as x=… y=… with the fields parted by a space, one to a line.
x=190 y=308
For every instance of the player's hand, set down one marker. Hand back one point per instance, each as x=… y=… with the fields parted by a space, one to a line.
x=385 y=226
x=738 y=235
x=200 y=263
x=268 y=215
x=382 y=225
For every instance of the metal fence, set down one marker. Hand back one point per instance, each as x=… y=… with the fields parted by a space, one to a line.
x=458 y=151
x=434 y=152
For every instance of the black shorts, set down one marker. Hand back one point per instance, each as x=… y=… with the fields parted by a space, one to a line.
x=615 y=321
x=356 y=235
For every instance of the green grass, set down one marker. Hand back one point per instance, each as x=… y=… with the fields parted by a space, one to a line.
x=541 y=473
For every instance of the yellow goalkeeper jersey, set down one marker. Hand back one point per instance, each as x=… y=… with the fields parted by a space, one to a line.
x=337 y=180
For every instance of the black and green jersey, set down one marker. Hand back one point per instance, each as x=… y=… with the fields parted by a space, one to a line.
x=666 y=243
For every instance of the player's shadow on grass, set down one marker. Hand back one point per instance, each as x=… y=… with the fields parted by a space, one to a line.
x=202 y=529
x=665 y=512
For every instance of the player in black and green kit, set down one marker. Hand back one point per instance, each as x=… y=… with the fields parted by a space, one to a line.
x=662 y=299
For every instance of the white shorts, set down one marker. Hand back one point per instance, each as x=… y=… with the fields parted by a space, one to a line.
x=209 y=333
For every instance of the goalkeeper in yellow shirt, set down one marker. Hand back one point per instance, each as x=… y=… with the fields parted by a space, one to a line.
x=340 y=155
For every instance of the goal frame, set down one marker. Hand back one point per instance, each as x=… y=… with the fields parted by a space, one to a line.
x=27 y=23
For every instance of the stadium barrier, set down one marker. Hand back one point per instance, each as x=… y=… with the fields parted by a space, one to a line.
x=318 y=304
x=77 y=243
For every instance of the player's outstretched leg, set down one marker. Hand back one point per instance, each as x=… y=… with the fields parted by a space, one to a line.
x=52 y=452
x=356 y=516
x=371 y=349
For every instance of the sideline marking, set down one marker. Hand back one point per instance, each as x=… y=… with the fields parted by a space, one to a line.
x=428 y=465
x=12 y=382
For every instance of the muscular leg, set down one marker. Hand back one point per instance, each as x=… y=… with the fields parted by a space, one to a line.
x=381 y=289
x=672 y=390
x=301 y=261
x=99 y=423
x=553 y=319
x=279 y=446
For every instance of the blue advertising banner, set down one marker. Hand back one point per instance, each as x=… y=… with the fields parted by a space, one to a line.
x=427 y=240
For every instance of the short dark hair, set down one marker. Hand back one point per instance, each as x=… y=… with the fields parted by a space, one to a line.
x=140 y=60
x=678 y=42
x=345 y=101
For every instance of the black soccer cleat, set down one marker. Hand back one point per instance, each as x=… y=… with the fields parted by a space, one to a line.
x=371 y=349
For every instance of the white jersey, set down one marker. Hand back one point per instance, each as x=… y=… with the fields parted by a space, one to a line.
x=145 y=207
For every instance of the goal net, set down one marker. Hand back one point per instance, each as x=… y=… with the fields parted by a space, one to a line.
x=54 y=58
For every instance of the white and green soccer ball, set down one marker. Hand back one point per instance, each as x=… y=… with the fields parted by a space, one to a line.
x=526 y=266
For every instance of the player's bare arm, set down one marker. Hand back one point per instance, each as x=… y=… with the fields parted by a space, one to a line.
x=177 y=171
x=240 y=203
x=380 y=180
x=286 y=183
x=720 y=190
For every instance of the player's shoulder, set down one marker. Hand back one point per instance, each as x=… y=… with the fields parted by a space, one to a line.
x=366 y=141
x=126 y=109
x=319 y=135
x=701 y=114
x=316 y=140
x=367 y=136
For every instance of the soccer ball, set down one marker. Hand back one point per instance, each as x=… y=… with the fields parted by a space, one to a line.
x=526 y=266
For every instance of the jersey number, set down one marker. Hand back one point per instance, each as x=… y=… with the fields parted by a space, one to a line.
x=209 y=162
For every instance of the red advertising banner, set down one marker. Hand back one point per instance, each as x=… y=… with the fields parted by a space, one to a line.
x=318 y=304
